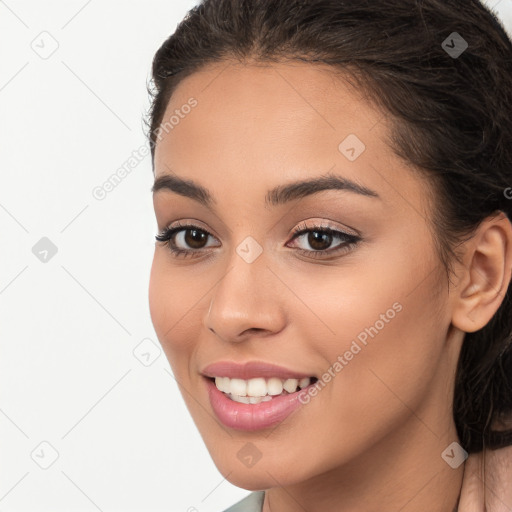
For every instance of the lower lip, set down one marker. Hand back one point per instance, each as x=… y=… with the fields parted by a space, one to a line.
x=252 y=416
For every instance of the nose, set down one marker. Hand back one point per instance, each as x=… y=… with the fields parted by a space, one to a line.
x=247 y=301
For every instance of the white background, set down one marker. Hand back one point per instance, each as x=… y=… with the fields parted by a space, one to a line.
x=69 y=326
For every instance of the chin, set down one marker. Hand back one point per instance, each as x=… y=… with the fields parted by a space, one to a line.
x=264 y=473
x=257 y=479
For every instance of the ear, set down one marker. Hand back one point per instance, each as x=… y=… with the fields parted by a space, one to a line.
x=485 y=276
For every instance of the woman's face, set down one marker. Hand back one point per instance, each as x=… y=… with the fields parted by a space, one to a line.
x=369 y=317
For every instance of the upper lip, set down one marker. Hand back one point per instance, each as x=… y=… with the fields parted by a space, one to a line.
x=250 y=370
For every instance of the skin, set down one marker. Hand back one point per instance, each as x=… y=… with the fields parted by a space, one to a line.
x=372 y=438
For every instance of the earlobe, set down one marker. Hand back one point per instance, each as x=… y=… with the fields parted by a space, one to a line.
x=486 y=274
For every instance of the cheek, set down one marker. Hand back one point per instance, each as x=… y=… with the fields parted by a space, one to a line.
x=173 y=308
x=389 y=338
x=380 y=314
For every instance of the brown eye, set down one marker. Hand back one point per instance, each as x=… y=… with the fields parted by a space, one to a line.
x=185 y=240
x=319 y=240
x=195 y=238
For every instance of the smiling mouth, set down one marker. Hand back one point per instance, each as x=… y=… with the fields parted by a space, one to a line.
x=254 y=391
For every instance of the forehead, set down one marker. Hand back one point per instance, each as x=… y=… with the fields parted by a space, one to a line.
x=281 y=106
x=254 y=127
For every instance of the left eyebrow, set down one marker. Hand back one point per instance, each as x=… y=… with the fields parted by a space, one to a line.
x=277 y=196
x=299 y=189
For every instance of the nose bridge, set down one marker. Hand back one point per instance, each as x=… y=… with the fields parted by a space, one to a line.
x=243 y=298
x=244 y=280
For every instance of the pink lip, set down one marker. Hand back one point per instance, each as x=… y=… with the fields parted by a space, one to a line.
x=252 y=416
x=250 y=370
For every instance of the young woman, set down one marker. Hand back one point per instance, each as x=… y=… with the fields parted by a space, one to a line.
x=331 y=278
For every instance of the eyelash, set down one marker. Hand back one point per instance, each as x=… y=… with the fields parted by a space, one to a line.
x=350 y=240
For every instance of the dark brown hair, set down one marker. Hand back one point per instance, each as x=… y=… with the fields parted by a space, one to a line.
x=451 y=117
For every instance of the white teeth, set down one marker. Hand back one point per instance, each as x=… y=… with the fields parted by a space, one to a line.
x=238 y=387
x=252 y=399
x=291 y=385
x=222 y=384
x=241 y=399
x=274 y=386
x=258 y=389
x=258 y=399
x=304 y=383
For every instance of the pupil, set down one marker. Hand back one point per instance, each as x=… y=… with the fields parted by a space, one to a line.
x=314 y=240
x=196 y=238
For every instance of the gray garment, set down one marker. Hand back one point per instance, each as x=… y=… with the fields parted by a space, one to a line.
x=251 y=503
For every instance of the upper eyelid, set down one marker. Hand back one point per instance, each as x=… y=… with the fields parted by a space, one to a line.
x=325 y=225
x=337 y=233
x=183 y=225
x=297 y=232
x=316 y=224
